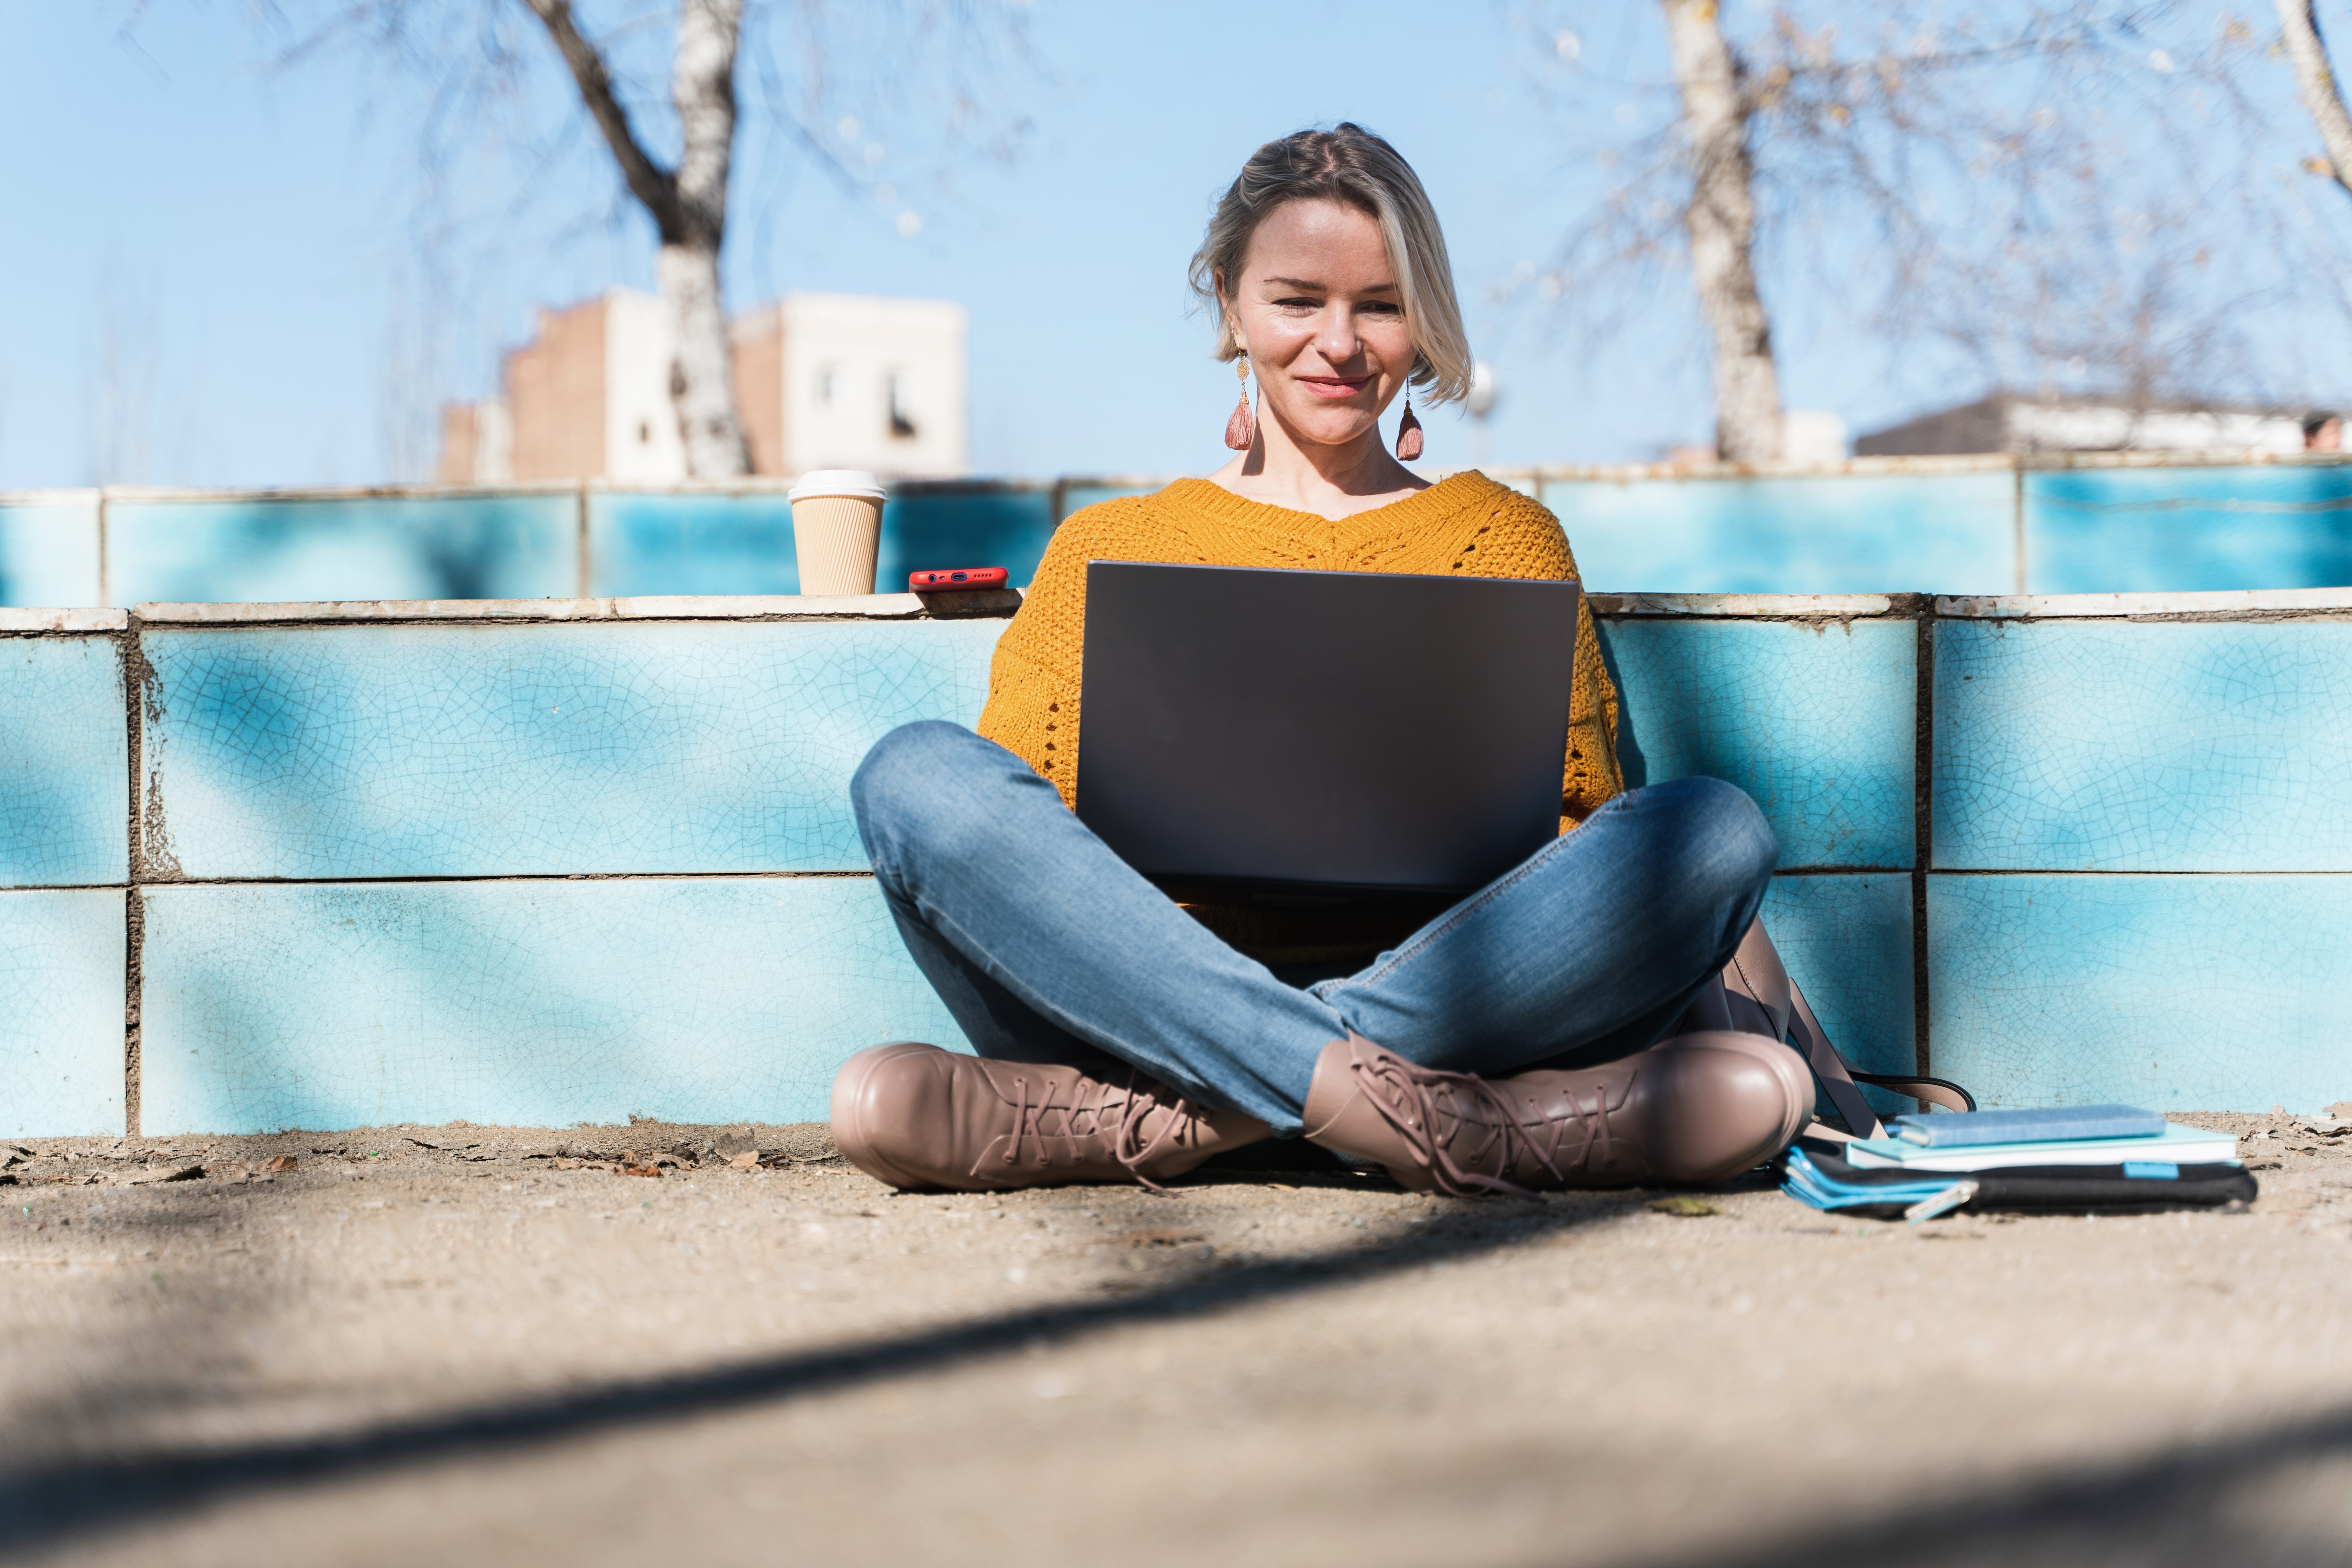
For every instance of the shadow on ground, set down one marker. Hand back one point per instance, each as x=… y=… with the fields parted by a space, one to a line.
x=2275 y=1494
x=44 y=1505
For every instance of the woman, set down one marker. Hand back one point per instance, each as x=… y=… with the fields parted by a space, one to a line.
x=1510 y=1041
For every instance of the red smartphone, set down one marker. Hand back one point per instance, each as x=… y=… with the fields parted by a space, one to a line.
x=957 y=580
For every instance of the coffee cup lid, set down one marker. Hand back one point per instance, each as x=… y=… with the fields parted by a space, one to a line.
x=837 y=483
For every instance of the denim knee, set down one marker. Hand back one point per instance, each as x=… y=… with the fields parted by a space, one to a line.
x=1729 y=842
x=899 y=792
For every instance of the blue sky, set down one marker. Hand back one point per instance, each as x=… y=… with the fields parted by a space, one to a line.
x=213 y=262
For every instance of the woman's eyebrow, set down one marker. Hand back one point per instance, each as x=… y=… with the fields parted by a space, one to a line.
x=1310 y=284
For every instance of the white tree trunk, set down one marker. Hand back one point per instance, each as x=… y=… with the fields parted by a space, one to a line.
x=2299 y=27
x=701 y=371
x=701 y=377
x=1722 y=223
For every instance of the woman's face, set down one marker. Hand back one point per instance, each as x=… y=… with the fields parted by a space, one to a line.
x=1318 y=310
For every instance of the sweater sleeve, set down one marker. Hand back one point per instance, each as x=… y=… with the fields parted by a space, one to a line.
x=1591 y=776
x=1032 y=681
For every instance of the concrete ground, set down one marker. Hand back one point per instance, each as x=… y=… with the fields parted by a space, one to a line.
x=398 y=1353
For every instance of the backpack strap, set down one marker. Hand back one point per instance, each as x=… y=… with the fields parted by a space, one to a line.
x=1756 y=980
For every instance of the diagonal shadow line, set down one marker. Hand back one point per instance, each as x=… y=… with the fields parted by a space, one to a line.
x=2173 y=1495
x=43 y=1504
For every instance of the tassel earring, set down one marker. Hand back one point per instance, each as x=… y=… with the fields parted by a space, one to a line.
x=1408 y=447
x=1241 y=429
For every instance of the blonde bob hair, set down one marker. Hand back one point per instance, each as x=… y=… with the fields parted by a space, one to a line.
x=1347 y=164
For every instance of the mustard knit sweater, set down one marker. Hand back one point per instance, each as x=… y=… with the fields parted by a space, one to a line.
x=1467 y=523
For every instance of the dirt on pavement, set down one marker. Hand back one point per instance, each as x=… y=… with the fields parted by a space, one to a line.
x=409 y=1344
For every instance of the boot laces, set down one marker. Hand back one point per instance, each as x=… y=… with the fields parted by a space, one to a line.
x=1102 y=1118
x=1416 y=1101
x=1593 y=1125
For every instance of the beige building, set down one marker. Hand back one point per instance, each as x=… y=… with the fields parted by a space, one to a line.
x=822 y=381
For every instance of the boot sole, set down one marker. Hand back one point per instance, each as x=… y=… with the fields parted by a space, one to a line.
x=850 y=1134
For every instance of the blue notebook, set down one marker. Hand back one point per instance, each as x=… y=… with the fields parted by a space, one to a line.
x=2179 y=1145
x=2059 y=1124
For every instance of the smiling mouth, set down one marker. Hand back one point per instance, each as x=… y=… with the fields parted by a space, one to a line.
x=1334 y=387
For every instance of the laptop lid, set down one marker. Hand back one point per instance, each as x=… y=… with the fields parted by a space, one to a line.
x=1338 y=731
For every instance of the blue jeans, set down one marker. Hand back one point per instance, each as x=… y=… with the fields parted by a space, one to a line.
x=1047 y=946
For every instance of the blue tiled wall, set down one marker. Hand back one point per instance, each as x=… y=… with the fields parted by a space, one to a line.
x=1946 y=534
x=699 y=544
x=540 y=751
x=1846 y=940
x=405 y=547
x=61 y=1012
x=2177 y=993
x=655 y=901
x=2110 y=531
x=2120 y=746
x=65 y=764
x=1813 y=720
x=49 y=550
x=544 y=1003
x=1957 y=532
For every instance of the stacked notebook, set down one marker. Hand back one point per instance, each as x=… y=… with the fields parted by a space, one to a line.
x=2066 y=1135
x=2070 y=1159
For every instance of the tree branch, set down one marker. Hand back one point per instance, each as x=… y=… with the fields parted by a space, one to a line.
x=2320 y=94
x=652 y=184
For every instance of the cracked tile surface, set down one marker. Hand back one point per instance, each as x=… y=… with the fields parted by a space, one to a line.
x=61 y=1041
x=1846 y=940
x=1814 y=722
x=1944 y=533
x=2115 y=531
x=690 y=544
x=2176 y=992
x=2136 y=747
x=65 y=764
x=363 y=547
x=540 y=1004
x=496 y=750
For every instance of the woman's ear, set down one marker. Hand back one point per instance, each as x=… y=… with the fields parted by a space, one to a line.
x=1226 y=314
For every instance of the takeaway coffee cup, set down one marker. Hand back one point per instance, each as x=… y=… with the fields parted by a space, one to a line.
x=836 y=530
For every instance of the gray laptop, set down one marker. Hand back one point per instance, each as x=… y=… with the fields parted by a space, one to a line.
x=1338 y=733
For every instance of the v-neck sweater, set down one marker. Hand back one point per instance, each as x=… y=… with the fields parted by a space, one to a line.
x=1465 y=524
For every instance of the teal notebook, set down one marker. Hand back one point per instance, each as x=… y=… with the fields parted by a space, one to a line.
x=2176 y=1146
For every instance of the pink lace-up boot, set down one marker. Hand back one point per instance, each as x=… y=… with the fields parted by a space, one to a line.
x=1692 y=1110
x=917 y=1117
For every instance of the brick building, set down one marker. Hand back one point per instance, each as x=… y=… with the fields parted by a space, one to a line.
x=821 y=381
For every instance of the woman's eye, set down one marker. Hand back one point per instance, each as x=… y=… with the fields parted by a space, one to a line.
x=1380 y=308
x=1296 y=304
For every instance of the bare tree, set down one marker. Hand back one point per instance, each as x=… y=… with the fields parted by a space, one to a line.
x=820 y=74
x=1721 y=218
x=687 y=204
x=2039 y=188
x=2299 y=35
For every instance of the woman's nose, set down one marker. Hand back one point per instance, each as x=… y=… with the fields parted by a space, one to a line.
x=1335 y=339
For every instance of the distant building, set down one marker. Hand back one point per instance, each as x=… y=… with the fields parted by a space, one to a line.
x=852 y=381
x=822 y=381
x=2013 y=422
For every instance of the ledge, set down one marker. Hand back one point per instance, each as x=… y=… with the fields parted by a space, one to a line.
x=1747 y=607
x=2249 y=605
x=82 y=620
x=674 y=607
x=2258 y=604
